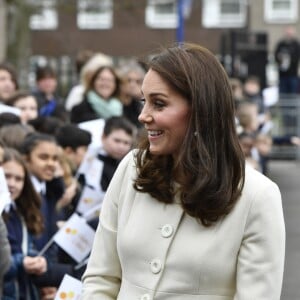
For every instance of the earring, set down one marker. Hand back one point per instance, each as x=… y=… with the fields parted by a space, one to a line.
x=195 y=133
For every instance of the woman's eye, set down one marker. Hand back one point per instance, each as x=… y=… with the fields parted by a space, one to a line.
x=154 y=103
x=159 y=104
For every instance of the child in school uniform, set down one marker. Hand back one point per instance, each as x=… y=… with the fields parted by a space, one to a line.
x=23 y=220
x=41 y=153
x=100 y=163
x=97 y=169
x=74 y=142
x=5 y=247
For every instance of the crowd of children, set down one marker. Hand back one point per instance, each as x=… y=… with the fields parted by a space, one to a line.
x=51 y=164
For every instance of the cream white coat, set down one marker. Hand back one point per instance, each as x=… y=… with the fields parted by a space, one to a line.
x=145 y=249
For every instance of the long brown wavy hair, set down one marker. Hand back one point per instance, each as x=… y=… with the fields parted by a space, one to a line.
x=28 y=203
x=210 y=157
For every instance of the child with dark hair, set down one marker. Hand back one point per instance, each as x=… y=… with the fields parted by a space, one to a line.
x=98 y=167
x=47 y=125
x=41 y=154
x=24 y=221
x=74 y=142
x=27 y=104
x=117 y=140
x=5 y=247
x=8 y=81
x=49 y=103
x=7 y=118
x=100 y=163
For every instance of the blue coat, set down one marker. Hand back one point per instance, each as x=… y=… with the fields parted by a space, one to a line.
x=17 y=283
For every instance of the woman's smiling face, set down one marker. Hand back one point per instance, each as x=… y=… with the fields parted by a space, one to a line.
x=165 y=115
x=105 y=83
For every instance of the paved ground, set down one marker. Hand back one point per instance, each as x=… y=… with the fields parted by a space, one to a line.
x=287 y=175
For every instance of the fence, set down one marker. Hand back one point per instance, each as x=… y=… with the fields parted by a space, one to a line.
x=286 y=118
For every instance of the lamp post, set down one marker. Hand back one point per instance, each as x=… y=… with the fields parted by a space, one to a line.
x=180 y=26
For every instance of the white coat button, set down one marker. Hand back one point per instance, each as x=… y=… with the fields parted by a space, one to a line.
x=145 y=297
x=155 y=266
x=167 y=230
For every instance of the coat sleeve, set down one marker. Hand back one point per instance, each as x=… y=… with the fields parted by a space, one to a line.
x=4 y=249
x=261 y=258
x=16 y=267
x=102 y=278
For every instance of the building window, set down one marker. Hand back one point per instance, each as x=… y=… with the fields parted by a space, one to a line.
x=161 y=14
x=224 y=13
x=45 y=17
x=281 y=11
x=94 y=14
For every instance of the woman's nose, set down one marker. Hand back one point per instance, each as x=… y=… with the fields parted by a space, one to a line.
x=145 y=115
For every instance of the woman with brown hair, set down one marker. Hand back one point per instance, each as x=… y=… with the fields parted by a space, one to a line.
x=100 y=97
x=183 y=218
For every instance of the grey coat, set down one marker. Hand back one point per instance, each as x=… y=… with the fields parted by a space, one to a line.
x=4 y=252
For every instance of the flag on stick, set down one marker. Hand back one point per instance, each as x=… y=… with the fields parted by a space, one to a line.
x=89 y=199
x=70 y=288
x=75 y=237
x=4 y=192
